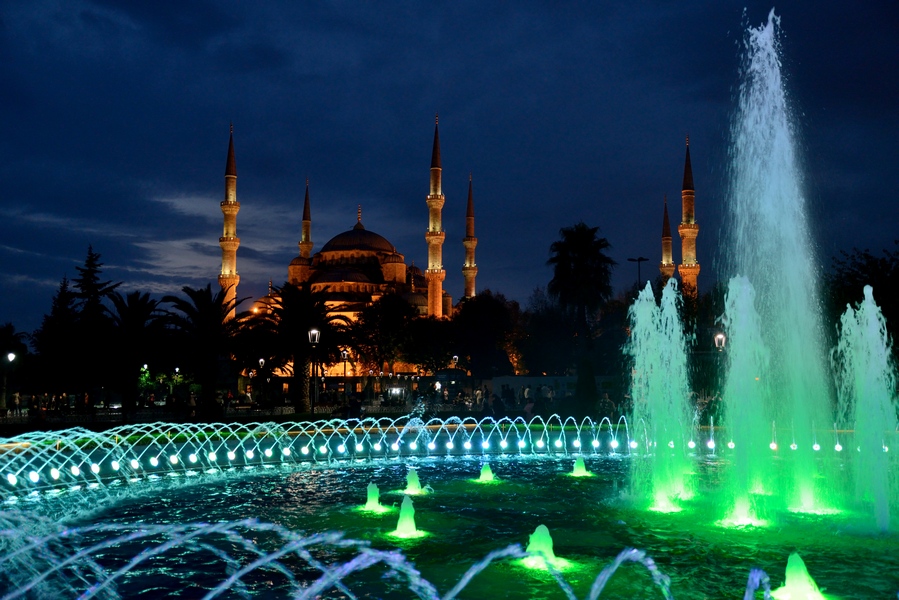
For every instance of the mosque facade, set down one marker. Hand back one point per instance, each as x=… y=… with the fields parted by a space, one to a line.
x=358 y=266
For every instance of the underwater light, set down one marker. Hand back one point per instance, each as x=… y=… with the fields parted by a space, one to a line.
x=304 y=450
x=12 y=479
x=76 y=471
x=521 y=444
x=503 y=444
x=576 y=443
x=154 y=462
x=249 y=454
x=466 y=444
x=377 y=446
x=286 y=451
x=115 y=464
x=172 y=459
x=773 y=445
x=34 y=477
x=710 y=444
x=341 y=448
x=212 y=457
x=449 y=445
x=793 y=446
x=886 y=448
x=838 y=448
x=558 y=443
x=633 y=444
x=395 y=447
x=268 y=452
x=485 y=444
x=816 y=447
x=323 y=449
x=359 y=448
x=691 y=444
x=95 y=468
x=191 y=457
x=54 y=472
x=134 y=465
x=613 y=444
x=413 y=445
x=731 y=445
x=595 y=443
x=432 y=446
x=540 y=443
x=671 y=444
x=231 y=455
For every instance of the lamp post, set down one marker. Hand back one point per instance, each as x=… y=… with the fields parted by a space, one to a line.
x=720 y=341
x=9 y=359
x=638 y=260
x=314 y=336
x=262 y=390
x=344 y=355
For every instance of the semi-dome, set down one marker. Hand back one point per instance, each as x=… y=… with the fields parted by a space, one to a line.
x=358 y=238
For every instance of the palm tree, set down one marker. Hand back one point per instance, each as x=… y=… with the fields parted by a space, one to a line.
x=582 y=273
x=296 y=310
x=137 y=338
x=204 y=335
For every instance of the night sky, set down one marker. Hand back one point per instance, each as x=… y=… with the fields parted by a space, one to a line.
x=114 y=124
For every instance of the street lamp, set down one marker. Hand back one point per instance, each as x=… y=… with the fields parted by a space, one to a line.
x=344 y=355
x=10 y=358
x=638 y=260
x=720 y=341
x=314 y=336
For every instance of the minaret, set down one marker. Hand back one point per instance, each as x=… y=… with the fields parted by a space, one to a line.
x=435 y=235
x=470 y=268
x=667 y=265
x=688 y=230
x=229 y=241
x=306 y=235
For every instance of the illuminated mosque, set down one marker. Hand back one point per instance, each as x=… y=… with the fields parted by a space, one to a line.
x=688 y=230
x=358 y=266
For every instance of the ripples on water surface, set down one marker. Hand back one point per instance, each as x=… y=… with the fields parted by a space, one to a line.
x=588 y=518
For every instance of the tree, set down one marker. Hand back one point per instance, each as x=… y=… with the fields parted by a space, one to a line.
x=381 y=331
x=546 y=345
x=582 y=274
x=485 y=334
x=429 y=344
x=295 y=310
x=203 y=337
x=137 y=338
x=57 y=355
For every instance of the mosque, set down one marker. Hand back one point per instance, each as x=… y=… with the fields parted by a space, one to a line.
x=688 y=230
x=359 y=266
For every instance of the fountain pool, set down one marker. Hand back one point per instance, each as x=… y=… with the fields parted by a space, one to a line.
x=183 y=527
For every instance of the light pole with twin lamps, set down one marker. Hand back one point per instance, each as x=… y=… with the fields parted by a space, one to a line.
x=314 y=337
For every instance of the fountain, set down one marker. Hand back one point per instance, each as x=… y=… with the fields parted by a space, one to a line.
x=580 y=468
x=115 y=513
x=413 y=485
x=486 y=475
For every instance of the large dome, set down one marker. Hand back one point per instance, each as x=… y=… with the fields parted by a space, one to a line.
x=358 y=238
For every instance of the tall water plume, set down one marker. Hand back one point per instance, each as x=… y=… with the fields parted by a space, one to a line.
x=661 y=396
x=866 y=378
x=746 y=394
x=770 y=244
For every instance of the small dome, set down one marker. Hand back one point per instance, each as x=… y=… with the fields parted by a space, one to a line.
x=396 y=257
x=300 y=261
x=413 y=270
x=358 y=238
x=416 y=299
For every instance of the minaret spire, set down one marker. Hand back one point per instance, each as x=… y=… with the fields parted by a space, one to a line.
x=435 y=274
x=688 y=231
x=306 y=235
x=229 y=242
x=469 y=268
x=666 y=267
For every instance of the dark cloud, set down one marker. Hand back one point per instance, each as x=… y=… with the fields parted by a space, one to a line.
x=115 y=123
